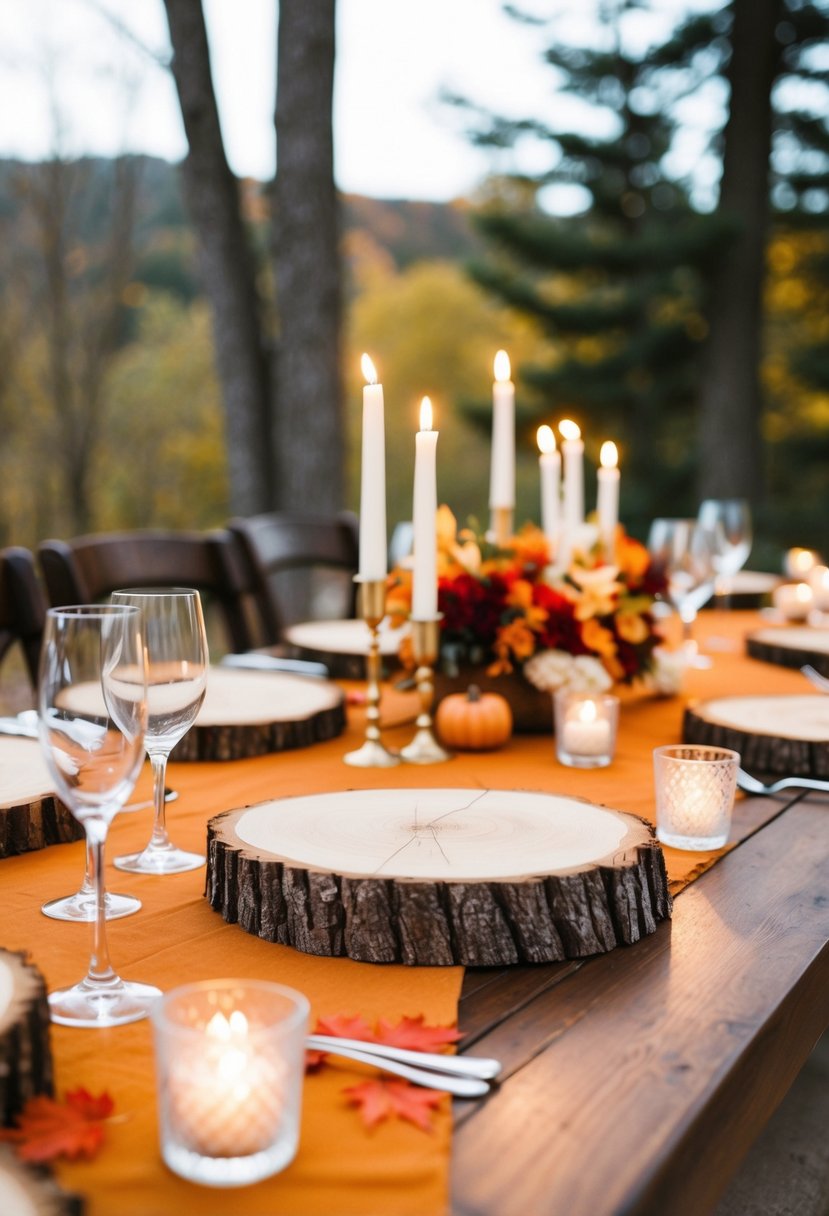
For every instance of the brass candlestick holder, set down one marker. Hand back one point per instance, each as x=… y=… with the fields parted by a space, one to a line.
x=424 y=747
x=500 y=525
x=371 y=596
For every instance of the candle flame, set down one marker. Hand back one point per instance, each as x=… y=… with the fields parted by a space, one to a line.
x=802 y=560
x=587 y=711
x=220 y=1028
x=609 y=455
x=569 y=429
x=502 y=367
x=425 y=414
x=369 y=370
x=803 y=593
x=546 y=439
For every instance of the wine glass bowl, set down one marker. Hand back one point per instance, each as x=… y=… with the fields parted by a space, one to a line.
x=683 y=550
x=177 y=662
x=92 y=714
x=729 y=520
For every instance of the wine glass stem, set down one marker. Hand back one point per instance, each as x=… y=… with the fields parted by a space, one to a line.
x=100 y=969
x=88 y=884
x=160 y=839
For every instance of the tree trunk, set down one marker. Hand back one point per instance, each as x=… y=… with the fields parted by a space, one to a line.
x=731 y=396
x=227 y=267
x=308 y=414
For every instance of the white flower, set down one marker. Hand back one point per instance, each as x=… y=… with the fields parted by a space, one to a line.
x=552 y=669
x=668 y=671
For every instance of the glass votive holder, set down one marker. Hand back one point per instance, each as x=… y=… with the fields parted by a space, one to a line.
x=793 y=600
x=585 y=728
x=230 y=1060
x=695 y=788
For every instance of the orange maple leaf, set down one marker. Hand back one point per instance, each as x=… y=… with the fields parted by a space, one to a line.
x=341 y=1026
x=46 y=1129
x=414 y=1034
x=380 y=1100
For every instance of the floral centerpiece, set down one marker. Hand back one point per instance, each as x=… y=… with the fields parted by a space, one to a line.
x=507 y=610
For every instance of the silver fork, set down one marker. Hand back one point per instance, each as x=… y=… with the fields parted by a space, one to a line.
x=816 y=678
x=752 y=786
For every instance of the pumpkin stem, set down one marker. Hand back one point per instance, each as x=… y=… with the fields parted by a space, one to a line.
x=473 y=693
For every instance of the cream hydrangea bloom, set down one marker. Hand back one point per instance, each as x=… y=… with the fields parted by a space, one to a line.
x=550 y=670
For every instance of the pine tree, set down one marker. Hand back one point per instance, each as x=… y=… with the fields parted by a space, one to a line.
x=623 y=289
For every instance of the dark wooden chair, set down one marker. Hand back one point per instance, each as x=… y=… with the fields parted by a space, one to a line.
x=22 y=607
x=89 y=568
x=304 y=565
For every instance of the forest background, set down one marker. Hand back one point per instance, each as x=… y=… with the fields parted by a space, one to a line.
x=112 y=408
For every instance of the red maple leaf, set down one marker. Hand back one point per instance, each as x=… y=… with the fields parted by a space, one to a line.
x=415 y=1034
x=380 y=1100
x=46 y=1129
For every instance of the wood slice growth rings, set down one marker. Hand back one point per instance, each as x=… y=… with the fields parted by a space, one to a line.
x=776 y=734
x=437 y=877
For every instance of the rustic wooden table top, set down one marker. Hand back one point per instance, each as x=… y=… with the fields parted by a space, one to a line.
x=636 y=1081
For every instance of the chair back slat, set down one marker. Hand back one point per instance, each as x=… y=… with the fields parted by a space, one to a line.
x=279 y=542
x=89 y=568
x=22 y=607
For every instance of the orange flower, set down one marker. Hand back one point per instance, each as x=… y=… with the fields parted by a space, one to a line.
x=598 y=639
x=399 y=596
x=632 y=628
x=631 y=556
x=521 y=596
x=598 y=591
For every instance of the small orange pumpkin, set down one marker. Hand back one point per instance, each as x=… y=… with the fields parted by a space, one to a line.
x=474 y=721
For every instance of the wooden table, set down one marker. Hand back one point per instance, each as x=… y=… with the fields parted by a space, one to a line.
x=634 y=1081
x=637 y=1081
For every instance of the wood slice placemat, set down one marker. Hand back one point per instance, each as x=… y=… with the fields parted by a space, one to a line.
x=253 y=713
x=776 y=734
x=31 y=816
x=438 y=876
x=27 y=1190
x=342 y=645
x=791 y=646
x=25 y=1054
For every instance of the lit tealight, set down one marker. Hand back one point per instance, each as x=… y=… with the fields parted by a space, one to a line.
x=798 y=562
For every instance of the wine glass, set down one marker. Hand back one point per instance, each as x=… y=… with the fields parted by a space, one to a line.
x=730 y=521
x=176 y=681
x=683 y=549
x=92 y=706
x=82 y=905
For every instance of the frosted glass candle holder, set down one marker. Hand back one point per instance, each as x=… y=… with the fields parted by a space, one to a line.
x=695 y=788
x=585 y=727
x=230 y=1058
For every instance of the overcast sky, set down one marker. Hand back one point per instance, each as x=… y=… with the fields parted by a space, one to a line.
x=61 y=62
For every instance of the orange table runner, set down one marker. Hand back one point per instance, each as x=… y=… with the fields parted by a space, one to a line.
x=176 y=938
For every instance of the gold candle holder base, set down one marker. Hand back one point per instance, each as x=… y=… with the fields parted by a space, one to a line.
x=371 y=605
x=424 y=747
x=500 y=526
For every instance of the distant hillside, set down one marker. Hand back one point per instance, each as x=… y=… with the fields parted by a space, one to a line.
x=400 y=230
